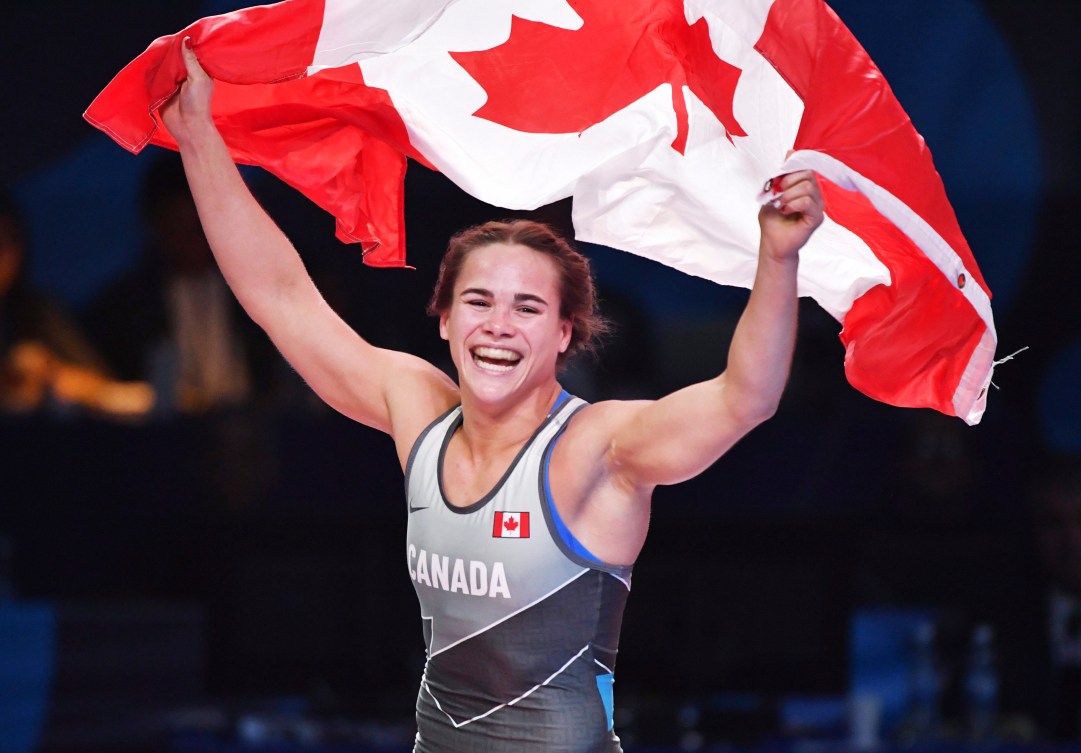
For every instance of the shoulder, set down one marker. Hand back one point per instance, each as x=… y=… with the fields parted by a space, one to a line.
x=600 y=503
x=420 y=394
x=591 y=435
x=606 y=416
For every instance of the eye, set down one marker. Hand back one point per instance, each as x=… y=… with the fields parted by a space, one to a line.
x=528 y=310
x=477 y=303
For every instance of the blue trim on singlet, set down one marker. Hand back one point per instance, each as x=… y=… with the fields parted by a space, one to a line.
x=564 y=533
x=604 y=687
x=563 y=397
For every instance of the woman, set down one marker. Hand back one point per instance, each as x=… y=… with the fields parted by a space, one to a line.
x=520 y=545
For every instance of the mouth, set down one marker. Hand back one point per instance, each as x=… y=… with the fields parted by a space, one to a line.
x=495 y=360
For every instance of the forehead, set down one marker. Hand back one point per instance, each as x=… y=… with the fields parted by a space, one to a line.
x=511 y=268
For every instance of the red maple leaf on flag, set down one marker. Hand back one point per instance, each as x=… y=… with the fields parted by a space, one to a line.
x=545 y=79
x=510 y=524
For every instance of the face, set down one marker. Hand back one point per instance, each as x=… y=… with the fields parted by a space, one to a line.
x=503 y=325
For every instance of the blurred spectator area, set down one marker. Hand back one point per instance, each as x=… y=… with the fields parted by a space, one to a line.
x=257 y=550
x=302 y=586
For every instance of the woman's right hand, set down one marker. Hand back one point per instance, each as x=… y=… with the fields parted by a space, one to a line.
x=189 y=109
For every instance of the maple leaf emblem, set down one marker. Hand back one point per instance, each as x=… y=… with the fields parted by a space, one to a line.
x=510 y=524
x=545 y=79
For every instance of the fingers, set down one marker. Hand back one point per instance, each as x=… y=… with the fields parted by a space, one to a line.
x=190 y=106
x=797 y=193
x=803 y=207
x=191 y=61
x=783 y=182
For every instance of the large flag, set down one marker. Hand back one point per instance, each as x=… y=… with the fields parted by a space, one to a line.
x=663 y=119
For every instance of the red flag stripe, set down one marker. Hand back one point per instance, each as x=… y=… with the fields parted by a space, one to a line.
x=337 y=140
x=245 y=45
x=916 y=342
x=940 y=352
x=936 y=315
x=852 y=114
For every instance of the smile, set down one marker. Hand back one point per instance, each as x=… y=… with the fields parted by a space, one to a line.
x=495 y=360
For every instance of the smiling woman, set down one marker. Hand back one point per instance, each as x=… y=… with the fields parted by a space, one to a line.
x=577 y=294
x=527 y=506
x=504 y=326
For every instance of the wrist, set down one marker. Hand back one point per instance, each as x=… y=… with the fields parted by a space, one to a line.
x=197 y=134
x=785 y=258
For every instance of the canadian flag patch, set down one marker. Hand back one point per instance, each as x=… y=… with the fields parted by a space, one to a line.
x=511 y=525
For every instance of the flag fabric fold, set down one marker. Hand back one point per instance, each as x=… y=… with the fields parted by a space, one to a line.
x=661 y=118
x=337 y=140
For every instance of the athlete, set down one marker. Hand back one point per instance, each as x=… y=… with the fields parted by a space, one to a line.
x=527 y=507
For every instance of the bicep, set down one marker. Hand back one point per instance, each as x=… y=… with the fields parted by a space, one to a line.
x=347 y=372
x=675 y=438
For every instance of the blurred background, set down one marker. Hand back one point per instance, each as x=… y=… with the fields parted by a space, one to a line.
x=195 y=555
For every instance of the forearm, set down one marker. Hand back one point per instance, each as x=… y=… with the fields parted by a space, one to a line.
x=676 y=437
x=269 y=279
x=760 y=353
x=257 y=260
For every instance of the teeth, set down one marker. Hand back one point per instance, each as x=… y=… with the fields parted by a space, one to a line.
x=495 y=367
x=497 y=360
x=499 y=354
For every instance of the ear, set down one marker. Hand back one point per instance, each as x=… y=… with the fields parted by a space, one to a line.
x=443 y=325
x=565 y=340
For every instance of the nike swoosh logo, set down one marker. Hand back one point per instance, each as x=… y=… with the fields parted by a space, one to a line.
x=415 y=509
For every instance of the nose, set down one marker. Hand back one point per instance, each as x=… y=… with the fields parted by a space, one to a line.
x=499 y=323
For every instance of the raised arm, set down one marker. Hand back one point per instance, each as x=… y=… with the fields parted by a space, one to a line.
x=680 y=435
x=394 y=392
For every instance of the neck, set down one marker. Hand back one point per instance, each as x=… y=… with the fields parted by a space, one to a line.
x=492 y=428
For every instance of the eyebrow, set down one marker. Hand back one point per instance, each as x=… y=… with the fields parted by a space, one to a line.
x=518 y=297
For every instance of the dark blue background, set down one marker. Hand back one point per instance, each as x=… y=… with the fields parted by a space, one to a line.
x=752 y=571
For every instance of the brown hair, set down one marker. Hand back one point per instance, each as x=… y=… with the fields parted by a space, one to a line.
x=577 y=293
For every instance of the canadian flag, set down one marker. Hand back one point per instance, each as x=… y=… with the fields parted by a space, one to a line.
x=662 y=118
x=511 y=525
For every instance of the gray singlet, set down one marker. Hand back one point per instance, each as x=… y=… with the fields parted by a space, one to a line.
x=521 y=623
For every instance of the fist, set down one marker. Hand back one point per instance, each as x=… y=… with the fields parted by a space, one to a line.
x=189 y=109
x=792 y=214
